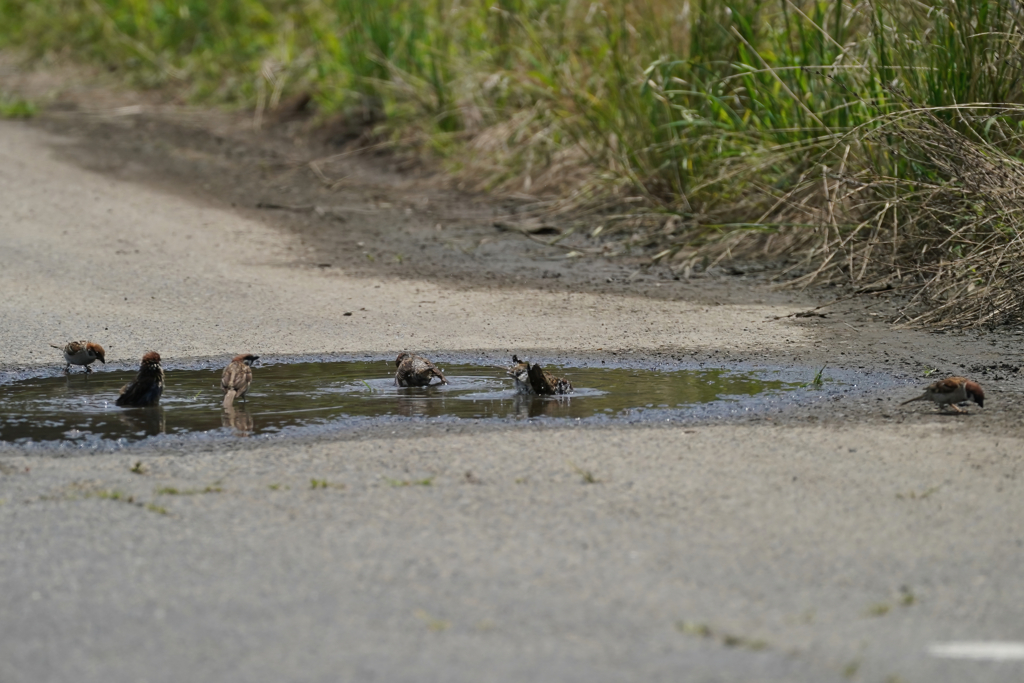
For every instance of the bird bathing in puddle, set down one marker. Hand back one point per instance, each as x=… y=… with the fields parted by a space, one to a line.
x=237 y=378
x=533 y=380
x=416 y=371
x=145 y=390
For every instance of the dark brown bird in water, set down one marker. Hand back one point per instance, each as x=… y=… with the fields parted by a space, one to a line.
x=950 y=391
x=533 y=380
x=415 y=371
x=237 y=377
x=148 y=385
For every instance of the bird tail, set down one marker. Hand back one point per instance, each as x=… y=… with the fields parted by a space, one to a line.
x=916 y=398
x=229 y=398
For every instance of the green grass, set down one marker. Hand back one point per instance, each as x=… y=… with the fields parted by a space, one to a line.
x=818 y=380
x=871 y=139
x=120 y=496
x=16 y=108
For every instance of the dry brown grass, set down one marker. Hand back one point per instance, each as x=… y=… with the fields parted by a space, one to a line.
x=948 y=230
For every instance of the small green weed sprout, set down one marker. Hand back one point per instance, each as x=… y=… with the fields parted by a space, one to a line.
x=120 y=496
x=879 y=609
x=410 y=482
x=914 y=495
x=111 y=495
x=818 y=380
x=433 y=623
x=172 y=491
x=587 y=475
x=324 y=484
x=699 y=630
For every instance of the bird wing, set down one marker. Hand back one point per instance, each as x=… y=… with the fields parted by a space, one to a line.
x=939 y=389
x=540 y=380
x=404 y=369
x=236 y=375
x=435 y=371
x=947 y=386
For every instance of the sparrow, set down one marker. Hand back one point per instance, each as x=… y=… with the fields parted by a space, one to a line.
x=415 y=371
x=81 y=353
x=950 y=391
x=533 y=380
x=148 y=385
x=237 y=377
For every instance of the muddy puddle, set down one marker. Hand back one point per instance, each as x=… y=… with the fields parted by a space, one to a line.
x=301 y=397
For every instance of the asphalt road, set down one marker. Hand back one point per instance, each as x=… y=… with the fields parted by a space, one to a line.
x=741 y=552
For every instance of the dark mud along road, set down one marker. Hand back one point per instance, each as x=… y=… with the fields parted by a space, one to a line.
x=836 y=537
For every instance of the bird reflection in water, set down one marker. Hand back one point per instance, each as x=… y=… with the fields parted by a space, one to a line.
x=149 y=421
x=420 y=402
x=237 y=419
x=525 y=405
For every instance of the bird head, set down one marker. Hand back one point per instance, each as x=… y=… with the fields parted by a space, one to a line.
x=519 y=369
x=975 y=393
x=402 y=356
x=247 y=358
x=151 y=358
x=97 y=350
